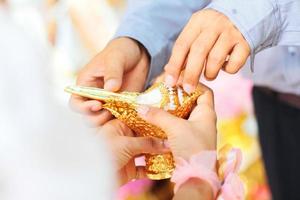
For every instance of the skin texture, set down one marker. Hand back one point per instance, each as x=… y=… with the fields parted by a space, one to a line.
x=208 y=43
x=200 y=134
x=199 y=130
x=121 y=65
x=125 y=147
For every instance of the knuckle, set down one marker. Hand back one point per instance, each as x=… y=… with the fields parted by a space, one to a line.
x=181 y=46
x=199 y=48
x=227 y=36
x=215 y=58
x=236 y=64
x=191 y=76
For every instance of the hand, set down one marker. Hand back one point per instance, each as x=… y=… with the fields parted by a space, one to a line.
x=125 y=148
x=122 y=65
x=187 y=137
x=206 y=42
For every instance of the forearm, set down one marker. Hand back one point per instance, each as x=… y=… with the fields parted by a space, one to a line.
x=194 y=189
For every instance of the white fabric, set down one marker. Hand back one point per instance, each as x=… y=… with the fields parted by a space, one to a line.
x=45 y=151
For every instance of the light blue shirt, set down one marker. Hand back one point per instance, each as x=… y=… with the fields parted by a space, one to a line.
x=264 y=24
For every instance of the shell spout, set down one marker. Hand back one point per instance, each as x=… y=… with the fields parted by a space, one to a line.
x=91 y=93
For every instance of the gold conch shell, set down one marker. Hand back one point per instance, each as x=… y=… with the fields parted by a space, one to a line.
x=123 y=106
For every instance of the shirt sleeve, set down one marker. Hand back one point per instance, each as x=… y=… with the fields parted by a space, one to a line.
x=263 y=23
x=156 y=24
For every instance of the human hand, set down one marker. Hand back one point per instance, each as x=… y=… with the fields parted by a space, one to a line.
x=187 y=137
x=125 y=147
x=205 y=44
x=121 y=65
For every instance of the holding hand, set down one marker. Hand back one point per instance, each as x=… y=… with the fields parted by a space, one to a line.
x=125 y=147
x=209 y=42
x=122 y=65
x=187 y=137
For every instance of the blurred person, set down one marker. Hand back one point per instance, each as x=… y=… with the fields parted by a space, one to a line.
x=45 y=151
x=77 y=30
x=222 y=36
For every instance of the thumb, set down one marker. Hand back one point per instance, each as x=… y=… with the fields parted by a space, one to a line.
x=159 y=117
x=113 y=76
x=140 y=145
x=205 y=106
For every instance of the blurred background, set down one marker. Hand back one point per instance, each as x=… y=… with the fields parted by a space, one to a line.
x=66 y=34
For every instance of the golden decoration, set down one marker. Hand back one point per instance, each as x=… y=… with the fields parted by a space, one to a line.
x=123 y=106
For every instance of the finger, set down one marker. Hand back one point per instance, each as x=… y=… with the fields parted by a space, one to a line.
x=205 y=105
x=217 y=56
x=180 y=51
x=133 y=80
x=142 y=145
x=207 y=97
x=135 y=172
x=180 y=80
x=100 y=118
x=238 y=58
x=130 y=170
x=114 y=69
x=82 y=105
x=115 y=128
x=140 y=172
x=197 y=55
x=92 y=74
x=159 y=117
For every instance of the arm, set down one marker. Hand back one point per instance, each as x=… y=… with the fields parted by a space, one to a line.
x=156 y=24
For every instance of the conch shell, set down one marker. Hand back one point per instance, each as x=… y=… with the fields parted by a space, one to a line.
x=123 y=106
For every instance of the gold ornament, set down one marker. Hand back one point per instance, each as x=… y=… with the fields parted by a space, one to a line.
x=123 y=106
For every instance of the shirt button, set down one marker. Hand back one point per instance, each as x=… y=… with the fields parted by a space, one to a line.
x=234 y=11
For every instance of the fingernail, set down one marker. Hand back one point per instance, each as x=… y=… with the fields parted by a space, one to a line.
x=111 y=85
x=142 y=110
x=188 y=88
x=169 y=80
